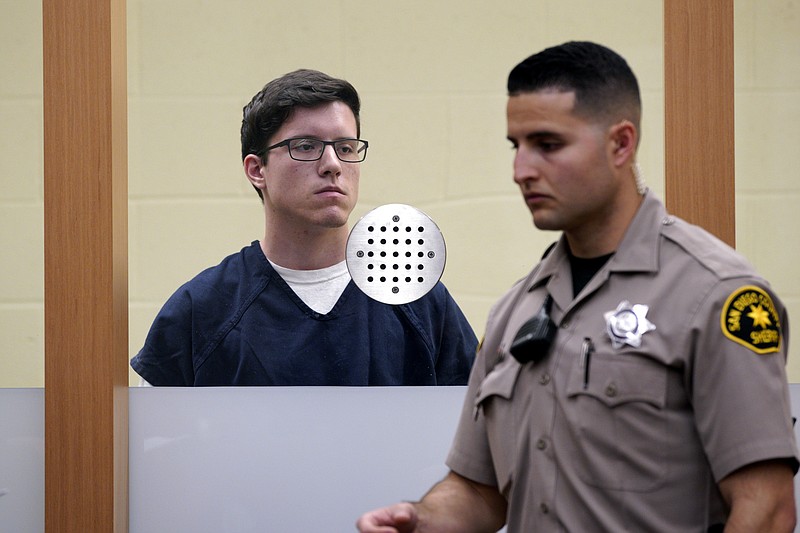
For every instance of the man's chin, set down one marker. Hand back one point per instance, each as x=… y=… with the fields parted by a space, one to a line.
x=545 y=223
x=334 y=220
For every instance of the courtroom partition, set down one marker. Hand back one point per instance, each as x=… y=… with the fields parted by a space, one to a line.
x=22 y=460
x=215 y=460
x=291 y=459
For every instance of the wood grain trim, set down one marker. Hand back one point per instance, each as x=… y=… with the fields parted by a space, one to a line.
x=86 y=295
x=699 y=114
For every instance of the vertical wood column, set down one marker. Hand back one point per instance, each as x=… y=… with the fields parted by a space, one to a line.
x=86 y=293
x=699 y=108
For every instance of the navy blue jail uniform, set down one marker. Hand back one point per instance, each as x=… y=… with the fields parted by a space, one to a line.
x=239 y=323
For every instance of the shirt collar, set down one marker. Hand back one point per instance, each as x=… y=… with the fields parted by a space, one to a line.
x=637 y=252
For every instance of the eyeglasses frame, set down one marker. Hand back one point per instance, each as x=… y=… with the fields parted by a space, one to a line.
x=286 y=142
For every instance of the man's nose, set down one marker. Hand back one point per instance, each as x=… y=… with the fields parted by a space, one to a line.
x=329 y=162
x=525 y=167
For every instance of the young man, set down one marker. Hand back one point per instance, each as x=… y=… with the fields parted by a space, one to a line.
x=284 y=310
x=648 y=393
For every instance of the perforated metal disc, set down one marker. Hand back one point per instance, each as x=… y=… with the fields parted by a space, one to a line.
x=395 y=254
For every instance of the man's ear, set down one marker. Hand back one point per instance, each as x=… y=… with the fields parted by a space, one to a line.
x=623 y=138
x=253 y=170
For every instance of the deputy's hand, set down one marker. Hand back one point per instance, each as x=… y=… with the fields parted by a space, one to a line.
x=398 y=518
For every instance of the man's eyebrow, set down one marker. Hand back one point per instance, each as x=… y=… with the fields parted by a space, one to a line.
x=320 y=138
x=536 y=135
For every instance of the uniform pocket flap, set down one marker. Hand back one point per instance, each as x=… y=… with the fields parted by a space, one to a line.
x=500 y=381
x=619 y=380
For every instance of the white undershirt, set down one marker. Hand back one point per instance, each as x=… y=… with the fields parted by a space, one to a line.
x=319 y=289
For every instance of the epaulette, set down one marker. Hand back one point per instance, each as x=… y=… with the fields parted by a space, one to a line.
x=708 y=250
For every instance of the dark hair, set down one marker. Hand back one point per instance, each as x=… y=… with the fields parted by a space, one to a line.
x=273 y=105
x=604 y=85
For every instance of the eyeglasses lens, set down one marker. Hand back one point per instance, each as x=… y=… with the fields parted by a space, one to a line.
x=350 y=150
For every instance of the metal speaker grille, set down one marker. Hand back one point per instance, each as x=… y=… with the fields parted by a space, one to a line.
x=395 y=254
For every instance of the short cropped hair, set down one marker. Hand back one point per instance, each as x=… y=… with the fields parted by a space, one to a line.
x=274 y=104
x=605 y=86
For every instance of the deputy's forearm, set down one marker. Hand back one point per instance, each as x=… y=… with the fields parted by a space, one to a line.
x=458 y=505
x=761 y=498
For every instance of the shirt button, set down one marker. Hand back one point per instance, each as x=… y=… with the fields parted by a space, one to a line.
x=611 y=390
x=544 y=508
x=544 y=379
x=541 y=444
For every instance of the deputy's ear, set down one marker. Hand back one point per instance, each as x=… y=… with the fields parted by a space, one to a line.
x=623 y=138
x=253 y=170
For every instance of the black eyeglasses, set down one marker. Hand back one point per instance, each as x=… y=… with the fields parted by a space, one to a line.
x=305 y=149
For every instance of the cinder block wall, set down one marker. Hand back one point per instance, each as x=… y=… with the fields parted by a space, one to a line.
x=432 y=80
x=21 y=202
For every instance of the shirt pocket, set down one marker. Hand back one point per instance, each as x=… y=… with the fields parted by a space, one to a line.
x=494 y=402
x=617 y=415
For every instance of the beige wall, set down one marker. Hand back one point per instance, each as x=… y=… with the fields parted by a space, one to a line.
x=431 y=76
x=21 y=204
x=767 y=52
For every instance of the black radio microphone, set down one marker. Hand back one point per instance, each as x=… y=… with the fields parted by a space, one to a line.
x=534 y=338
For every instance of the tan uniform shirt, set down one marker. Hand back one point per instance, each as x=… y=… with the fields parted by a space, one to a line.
x=684 y=383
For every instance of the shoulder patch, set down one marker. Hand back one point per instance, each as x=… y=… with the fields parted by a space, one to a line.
x=750 y=319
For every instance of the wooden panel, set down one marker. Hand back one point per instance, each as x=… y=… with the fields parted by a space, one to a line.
x=86 y=298
x=699 y=108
